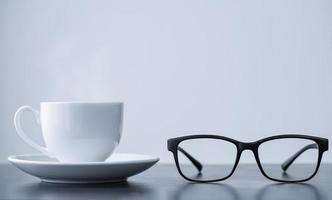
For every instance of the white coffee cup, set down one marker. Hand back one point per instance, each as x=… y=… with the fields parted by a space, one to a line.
x=76 y=131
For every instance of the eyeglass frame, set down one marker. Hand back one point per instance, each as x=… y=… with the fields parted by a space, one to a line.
x=173 y=146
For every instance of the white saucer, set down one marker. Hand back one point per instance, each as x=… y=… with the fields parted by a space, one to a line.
x=115 y=169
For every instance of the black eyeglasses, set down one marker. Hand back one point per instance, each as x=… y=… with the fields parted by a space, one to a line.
x=283 y=158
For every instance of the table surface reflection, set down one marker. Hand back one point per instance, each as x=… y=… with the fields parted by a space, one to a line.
x=163 y=182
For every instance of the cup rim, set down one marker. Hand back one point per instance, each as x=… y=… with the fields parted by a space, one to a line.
x=80 y=102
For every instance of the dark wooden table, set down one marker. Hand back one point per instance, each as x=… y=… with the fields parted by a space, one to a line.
x=163 y=182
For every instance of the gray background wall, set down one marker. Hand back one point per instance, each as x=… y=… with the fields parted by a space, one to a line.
x=244 y=69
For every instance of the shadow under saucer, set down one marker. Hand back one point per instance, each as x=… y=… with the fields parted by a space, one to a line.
x=121 y=190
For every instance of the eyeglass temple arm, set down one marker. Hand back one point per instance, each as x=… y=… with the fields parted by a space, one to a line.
x=195 y=162
x=285 y=165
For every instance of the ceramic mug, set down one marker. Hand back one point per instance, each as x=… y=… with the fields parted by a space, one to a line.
x=76 y=131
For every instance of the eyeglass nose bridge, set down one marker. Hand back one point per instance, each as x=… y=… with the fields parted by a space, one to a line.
x=252 y=146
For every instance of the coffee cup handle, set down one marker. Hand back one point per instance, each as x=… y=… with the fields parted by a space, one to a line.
x=22 y=134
